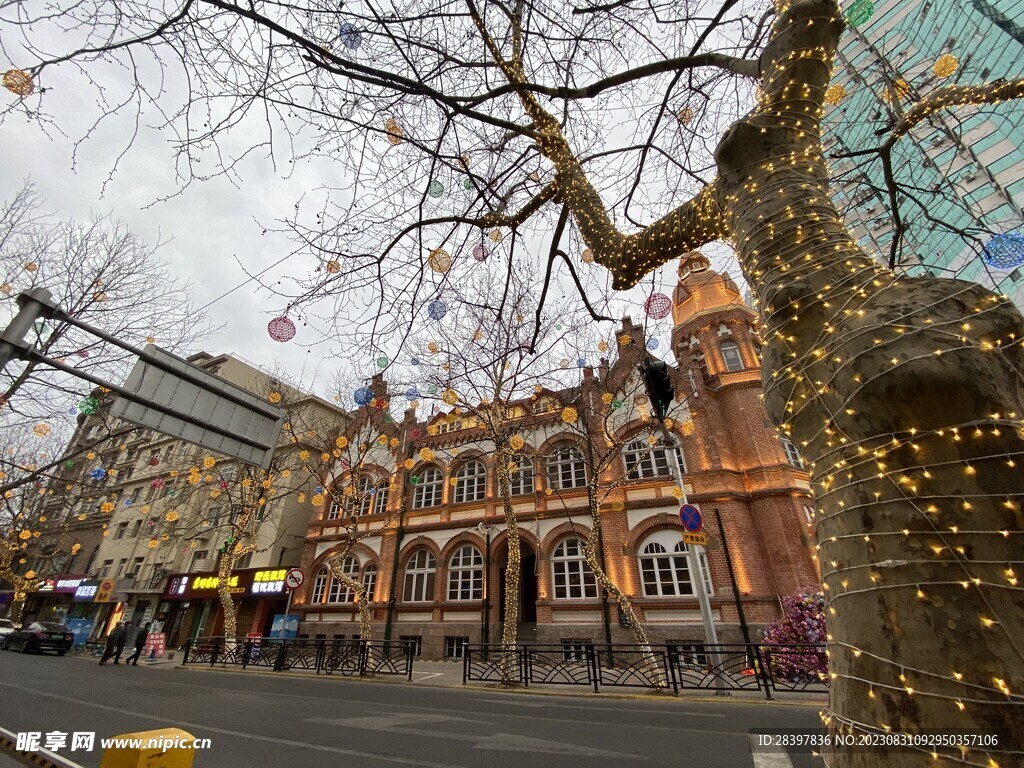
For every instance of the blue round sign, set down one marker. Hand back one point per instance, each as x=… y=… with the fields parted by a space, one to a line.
x=691 y=518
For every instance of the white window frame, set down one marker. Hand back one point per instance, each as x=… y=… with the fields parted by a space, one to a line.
x=571 y=576
x=566 y=464
x=339 y=592
x=664 y=564
x=380 y=499
x=521 y=481
x=421 y=498
x=731 y=356
x=642 y=460
x=320 y=585
x=793 y=457
x=470 y=482
x=334 y=510
x=363 y=487
x=420 y=572
x=369 y=581
x=466 y=574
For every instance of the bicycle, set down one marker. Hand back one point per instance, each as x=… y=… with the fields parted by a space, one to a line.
x=345 y=658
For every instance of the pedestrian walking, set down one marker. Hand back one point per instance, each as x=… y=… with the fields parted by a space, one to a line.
x=140 y=643
x=115 y=644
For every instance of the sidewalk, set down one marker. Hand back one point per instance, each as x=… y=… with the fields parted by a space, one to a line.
x=448 y=674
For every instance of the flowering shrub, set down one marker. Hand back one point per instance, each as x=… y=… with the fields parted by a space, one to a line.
x=803 y=622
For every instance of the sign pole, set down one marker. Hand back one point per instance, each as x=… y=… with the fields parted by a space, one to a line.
x=693 y=553
x=288 y=609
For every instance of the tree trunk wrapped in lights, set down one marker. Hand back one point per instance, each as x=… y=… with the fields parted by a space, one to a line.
x=338 y=572
x=513 y=573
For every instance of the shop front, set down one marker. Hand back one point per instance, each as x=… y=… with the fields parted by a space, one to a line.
x=195 y=610
x=52 y=599
x=96 y=607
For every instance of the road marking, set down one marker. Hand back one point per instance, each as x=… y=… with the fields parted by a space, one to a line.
x=242 y=734
x=768 y=757
x=505 y=742
x=427 y=676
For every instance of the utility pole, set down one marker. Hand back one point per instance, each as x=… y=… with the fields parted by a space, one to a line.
x=33 y=305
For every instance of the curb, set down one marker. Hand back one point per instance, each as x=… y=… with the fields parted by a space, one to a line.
x=42 y=757
x=497 y=688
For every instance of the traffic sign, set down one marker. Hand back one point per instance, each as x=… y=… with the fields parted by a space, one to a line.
x=691 y=518
x=294 y=578
x=700 y=539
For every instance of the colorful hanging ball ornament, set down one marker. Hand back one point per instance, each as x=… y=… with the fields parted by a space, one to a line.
x=350 y=36
x=332 y=267
x=587 y=256
x=657 y=306
x=859 y=12
x=450 y=397
x=281 y=329
x=383 y=362
x=158 y=482
x=467 y=184
x=581 y=363
x=437 y=309
x=480 y=252
x=363 y=396
x=945 y=65
x=6 y=288
x=19 y=82
x=89 y=406
x=602 y=346
x=652 y=343
x=835 y=94
x=569 y=415
x=394 y=131
x=98 y=474
x=436 y=188
x=41 y=429
x=496 y=236
x=412 y=393
x=415 y=361
x=685 y=115
x=440 y=260
x=1004 y=251
x=30 y=266
x=564 y=362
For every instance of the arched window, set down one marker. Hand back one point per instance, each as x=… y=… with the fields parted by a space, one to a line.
x=521 y=479
x=566 y=469
x=339 y=593
x=466 y=574
x=380 y=503
x=419 y=577
x=365 y=495
x=370 y=581
x=665 y=567
x=319 y=586
x=731 y=356
x=470 y=482
x=644 y=459
x=573 y=577
x=335 y=510
x=428 y=490
x=792 y=454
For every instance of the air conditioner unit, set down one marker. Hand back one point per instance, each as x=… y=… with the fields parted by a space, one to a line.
x=968 y=178
x=203 y=564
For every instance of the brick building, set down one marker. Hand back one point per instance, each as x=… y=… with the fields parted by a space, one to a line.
x=433 y=556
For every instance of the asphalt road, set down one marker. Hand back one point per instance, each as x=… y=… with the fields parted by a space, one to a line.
x=261 y=721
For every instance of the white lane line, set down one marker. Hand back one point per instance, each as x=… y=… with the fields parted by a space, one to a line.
x=427 y=676
x=768 y=757
x=241 y=734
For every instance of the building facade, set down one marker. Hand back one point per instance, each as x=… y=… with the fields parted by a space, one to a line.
x=432 y=553
x=962 y=170
x=163 y=518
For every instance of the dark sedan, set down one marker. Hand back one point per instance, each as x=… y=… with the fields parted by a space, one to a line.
x=40 y=636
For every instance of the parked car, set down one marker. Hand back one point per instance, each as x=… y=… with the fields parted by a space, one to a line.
x=6 y=627
x=40 y=636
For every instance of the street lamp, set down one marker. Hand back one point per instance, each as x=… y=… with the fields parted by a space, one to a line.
x=485 y=628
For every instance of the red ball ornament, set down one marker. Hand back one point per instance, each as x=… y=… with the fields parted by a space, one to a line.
x=658 y=305
x=281 y=329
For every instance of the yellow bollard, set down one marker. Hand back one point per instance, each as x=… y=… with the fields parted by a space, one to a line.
x=151 y=749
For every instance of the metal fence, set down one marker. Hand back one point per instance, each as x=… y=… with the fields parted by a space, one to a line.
x=365 y=657
x=769 y=669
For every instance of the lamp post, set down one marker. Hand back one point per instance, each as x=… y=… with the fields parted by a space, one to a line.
x=485 y=625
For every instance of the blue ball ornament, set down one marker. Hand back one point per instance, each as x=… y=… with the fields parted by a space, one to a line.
x=98 y=474
x=350 y=36
x=363 y=396
x=412 y=393
x=652 y=343
x=437 y=309
x=1004 y=251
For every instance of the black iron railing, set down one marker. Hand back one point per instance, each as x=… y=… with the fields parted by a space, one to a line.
x=770 y=669
x=365 y=657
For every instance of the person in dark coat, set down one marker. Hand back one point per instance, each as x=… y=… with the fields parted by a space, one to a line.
x=140 y=642
x=115 y=644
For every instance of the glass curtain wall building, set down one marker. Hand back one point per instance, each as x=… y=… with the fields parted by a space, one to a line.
x=959 y=175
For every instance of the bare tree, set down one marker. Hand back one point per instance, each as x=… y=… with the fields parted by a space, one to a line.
x=905 y=395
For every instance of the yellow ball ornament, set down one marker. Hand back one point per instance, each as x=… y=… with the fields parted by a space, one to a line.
x=835 y=94
x=945 y=65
